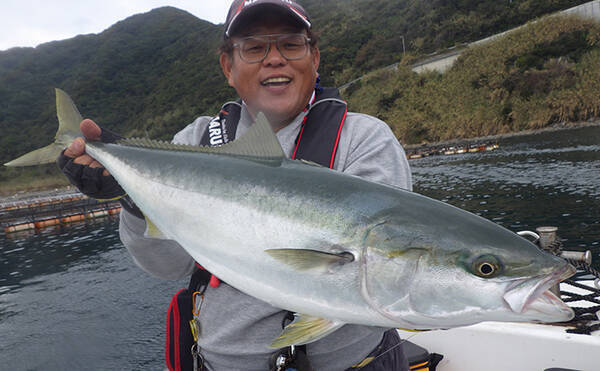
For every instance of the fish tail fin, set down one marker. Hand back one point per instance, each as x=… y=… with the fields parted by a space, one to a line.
x=69 y=119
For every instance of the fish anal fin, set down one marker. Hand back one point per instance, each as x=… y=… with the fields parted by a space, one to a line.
x=305 y=329
x=304 y=259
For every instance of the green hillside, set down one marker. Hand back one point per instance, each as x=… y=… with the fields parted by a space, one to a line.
x=544 y=74
x=153 y=73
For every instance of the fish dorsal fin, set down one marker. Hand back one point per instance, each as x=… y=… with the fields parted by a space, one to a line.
x=305 y=329
x=258 y=142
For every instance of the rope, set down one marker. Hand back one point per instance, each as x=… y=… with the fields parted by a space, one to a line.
x=584 y=329
x=585 y=267
x=586 y=319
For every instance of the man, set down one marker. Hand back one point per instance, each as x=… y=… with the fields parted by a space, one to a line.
x=270 y=56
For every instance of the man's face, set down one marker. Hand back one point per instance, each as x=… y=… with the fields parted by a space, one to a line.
x=276 y=86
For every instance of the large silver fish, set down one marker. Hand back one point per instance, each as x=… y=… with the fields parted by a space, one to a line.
x=333 y=248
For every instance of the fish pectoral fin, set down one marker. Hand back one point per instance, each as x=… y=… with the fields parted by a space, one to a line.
x=152 y=230
x=303 y=259
x=305 y=329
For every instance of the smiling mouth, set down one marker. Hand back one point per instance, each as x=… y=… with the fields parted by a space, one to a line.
x=276 y=81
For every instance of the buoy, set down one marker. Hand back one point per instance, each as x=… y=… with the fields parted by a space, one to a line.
x=73 y=218
x=96 y=214
x=114 y=211
x=19 y=227
x=46 y=223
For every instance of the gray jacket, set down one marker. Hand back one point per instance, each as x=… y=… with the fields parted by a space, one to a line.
x=237 y=328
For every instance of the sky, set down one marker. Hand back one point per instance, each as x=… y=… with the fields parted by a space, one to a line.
x=32 y=22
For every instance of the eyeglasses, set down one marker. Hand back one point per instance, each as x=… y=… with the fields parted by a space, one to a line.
x=254 y=49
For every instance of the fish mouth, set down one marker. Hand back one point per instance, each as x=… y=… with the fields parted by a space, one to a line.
x=532 y=296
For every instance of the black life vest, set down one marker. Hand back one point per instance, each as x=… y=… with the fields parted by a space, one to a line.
x=317 y=141
x=319 y=135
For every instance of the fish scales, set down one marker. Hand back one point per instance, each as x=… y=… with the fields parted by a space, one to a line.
x=291 y=205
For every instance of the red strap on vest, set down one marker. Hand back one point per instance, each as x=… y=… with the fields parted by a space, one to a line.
x=174 y=309
x=214 y=280
x=337 y=139
x=299 y=137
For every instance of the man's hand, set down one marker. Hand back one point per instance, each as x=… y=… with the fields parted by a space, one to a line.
x=76 y=150
x=83 y=171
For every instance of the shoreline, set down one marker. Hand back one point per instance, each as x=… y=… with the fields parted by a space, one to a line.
x=409 y=148
x=497 y=137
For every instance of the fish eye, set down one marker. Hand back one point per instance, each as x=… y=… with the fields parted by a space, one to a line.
x=486 y=266
x=486 y=269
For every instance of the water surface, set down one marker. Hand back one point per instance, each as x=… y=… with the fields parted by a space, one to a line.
x=71 y=298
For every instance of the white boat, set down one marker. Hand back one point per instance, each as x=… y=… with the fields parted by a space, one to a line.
x=497 y=346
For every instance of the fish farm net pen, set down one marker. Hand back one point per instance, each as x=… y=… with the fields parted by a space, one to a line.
x=44 y=212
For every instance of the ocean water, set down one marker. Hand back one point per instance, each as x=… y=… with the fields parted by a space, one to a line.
x=71 y=297
x=547 y=179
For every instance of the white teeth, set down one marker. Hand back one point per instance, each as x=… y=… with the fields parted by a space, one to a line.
x=276 y=80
